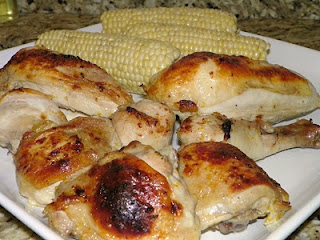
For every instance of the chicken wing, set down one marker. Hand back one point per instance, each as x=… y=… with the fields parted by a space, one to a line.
x=238 y=87
x=48 y=155
x=231 y=189
x=125 y=196
x=257 y=139
x=71 y=82
x=22 y=109
x=146 y=121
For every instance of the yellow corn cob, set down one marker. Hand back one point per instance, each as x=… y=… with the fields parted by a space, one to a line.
x=130 y=60
x=114 y=21
x=192 y=39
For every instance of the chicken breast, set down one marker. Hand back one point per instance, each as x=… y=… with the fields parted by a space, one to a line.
x=124 y=196
x=20 y=111
x=257 y=139
x=71 y=82
x=146 y=121
x=49 y=155
x=238 y=87
x=231 y=189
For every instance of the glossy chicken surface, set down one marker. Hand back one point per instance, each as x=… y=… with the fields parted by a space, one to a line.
x=72 y=83
x=20 y=111
x=125 y=196
x=146 y=121
x=231 y=189
x=238 y=87
x=48 y=155
x=257 y=139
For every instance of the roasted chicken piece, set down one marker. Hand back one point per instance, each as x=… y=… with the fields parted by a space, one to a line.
x=238 y=87
x=257 y=139
x=146 y=121
x=71 y=82
x=48 y=155
x=231 y=189
x=22 y=109
x=130 y=194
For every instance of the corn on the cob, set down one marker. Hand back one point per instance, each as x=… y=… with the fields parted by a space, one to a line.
x=130 y=60
x=192 y=39
x=114 y=21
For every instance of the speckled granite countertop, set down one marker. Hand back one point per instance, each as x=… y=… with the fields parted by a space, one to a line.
x=28 y=26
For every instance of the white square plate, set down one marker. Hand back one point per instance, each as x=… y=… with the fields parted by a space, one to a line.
x=297 y=170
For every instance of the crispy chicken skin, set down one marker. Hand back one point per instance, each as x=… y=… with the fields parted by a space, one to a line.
x=71 y=82
x=20 y=111
x=146 y=121
x=125 y=197
x=231 y=189
x=257 y=139
x=238 y=87
x=48 y=155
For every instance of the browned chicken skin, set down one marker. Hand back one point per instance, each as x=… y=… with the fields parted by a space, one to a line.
x=238 y=87
x=48 y=155
x=136 y=192
x=71 y=82
x=257 y=139
x=124 y=197
x=231 y=189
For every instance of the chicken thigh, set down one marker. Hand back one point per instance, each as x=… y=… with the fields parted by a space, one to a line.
x=238 y=87
x=257 y=139
x=129 y=194
x=20 y=111
x=48 y=155
x=70 y=81
x=231 y=189
x=146 y=121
